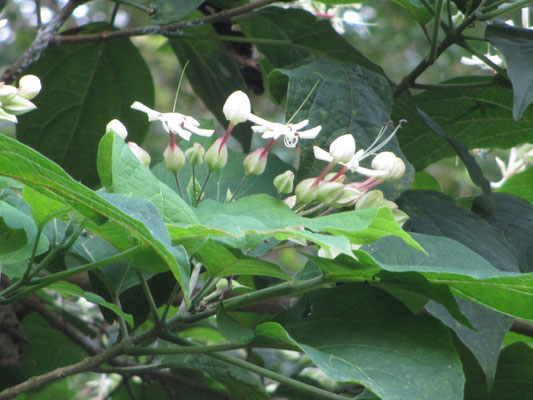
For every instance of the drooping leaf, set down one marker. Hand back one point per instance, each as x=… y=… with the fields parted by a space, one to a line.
x=347 y=99
x=515 y=45
x=358 y=333
x=514 y=377
x=476 y=383
x=434 y=213
x=479 y=117
x=417 y=10
x=85 y=86
x=514 y=217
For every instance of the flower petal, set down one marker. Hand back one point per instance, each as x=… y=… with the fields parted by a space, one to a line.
x=322 y=154
x=310 y=133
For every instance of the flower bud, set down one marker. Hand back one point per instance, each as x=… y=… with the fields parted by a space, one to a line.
x=306 y=191
x=174 y=158
x=255 y=162
x=195 y=154
x=222 y=284
x=328 y=192
x=371 y=199
x=400 y=217
x=388 y=162
x=18 y=105
x=342 y=149
x=117 y=127
x=216 y=157
x=237 y=107
x=330 y=252
x=7 y=93
x=284 y=182
x=330 y=176
x=290 y=201
x=348 y=197
x=141 y=154
x=6 y=116
x=29 y=87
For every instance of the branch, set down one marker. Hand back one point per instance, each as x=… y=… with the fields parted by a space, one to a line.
x=162 y=29
x=44 y=37
x=522 y=327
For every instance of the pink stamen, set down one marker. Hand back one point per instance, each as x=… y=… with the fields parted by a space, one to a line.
x=341 y=172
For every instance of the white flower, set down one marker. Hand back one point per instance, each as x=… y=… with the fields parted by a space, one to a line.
x=117 y=127
x=237 y=107
x=175 y=123
x=392 y=166
x=141 y=154
x=29 y=87
x=341 y=150
x=291 y=132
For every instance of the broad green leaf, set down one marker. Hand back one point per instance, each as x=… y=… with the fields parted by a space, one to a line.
x=42 y=206
x=514 y=217
x=434 y=213
x=222 y=261
x=486 y=340
x=212 y=72
x=267 y=216
x=514 y=377
x=286 y=36
x=232 y=329
x=168 y=11
x=476 y=383
x=358 y=333
x=347 y=99
x=20 y=162
x=417 y=10
x=85 y=86
x=479 y=117
x=520 y=185
x=68 y=289
x=515 y=45
x=17 y=235
x=121 y=172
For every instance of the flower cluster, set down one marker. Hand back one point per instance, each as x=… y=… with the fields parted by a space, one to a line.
x=15 y=101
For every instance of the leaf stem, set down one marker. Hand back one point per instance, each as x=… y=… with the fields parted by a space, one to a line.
x=485 y=16
x=149 y=297
x=482 y=57
x=203 y=188
x=178 y=185
x=169 y=302
x=245 y=177
x=435 y=37
x=196 y=349
x=206 y=288
x=303 y=387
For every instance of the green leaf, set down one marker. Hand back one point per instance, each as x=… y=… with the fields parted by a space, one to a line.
x=479 y=117
x=19 y=162
x=221 y=261
x=268 y=217
x=476 y=383
x=520 y=185
x=514 y=377
x=68 y=289
x=423 y=180
x=417 y=10
x=85 y=86
x=168 y=11
x=515 y=45
x=434 y=213
x=514 y=217
x=358 y=333
x=485 y=341
x=286 y=36
x=212 y=72
x=232 y=329
x=348 y=99
x=121 y=172
x=17 y=235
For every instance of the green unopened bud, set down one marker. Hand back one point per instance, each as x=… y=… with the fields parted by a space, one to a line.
x=388 y=162
x=29 y=87
x=216 y=157
x=141 y=154
x=328 y=192
x=117 y=127
x=284 y=182
x=7 y=116
x=174 y=158
x=330 y=176
x=237 y=107
x=306 y=191
x=18 y=105
x=222 y=284
x=255 y=162
x=195 y=154
x=7 y=93
x=348 y=197
x=372 y=199
x=290 y=201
